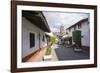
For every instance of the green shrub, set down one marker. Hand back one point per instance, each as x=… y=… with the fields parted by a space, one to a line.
x=77 y=37
x=53 y=39
x=48 y=51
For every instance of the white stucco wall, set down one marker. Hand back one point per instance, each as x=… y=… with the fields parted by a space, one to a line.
x=86 y=34
x=28 y=27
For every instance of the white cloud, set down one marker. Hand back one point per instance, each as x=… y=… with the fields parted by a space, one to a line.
x=56 y=19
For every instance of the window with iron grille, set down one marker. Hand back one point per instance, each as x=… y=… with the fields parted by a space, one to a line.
x=32 y=40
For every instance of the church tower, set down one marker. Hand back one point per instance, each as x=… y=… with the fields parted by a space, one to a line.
x=62 y=30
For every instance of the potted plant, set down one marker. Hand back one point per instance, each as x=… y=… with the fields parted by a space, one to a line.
x=48 y=54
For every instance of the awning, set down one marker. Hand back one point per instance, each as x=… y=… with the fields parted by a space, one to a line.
x=36 y=20
x=65 y=36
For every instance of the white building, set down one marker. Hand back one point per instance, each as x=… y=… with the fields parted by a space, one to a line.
x=34 y=26
x=84 y=27
x=62 y=30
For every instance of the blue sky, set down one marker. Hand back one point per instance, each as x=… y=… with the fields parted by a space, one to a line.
x=56 y=19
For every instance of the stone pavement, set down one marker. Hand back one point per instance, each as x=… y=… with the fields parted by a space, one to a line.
x=54 y=56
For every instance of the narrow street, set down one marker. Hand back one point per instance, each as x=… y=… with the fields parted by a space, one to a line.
x=64 y=53
x=59 y=53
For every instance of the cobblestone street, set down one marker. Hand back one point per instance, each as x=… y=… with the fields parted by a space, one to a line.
x=64 y=53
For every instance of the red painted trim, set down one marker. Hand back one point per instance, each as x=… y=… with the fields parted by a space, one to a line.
x=32 y=55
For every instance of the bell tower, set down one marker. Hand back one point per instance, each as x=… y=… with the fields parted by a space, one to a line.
x=62 y=30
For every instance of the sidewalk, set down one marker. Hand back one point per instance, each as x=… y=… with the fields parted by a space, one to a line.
x=38 y=56
x=55 y=58
x=42 y=53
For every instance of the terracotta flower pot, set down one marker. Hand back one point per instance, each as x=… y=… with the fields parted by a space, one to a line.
x=47 y=57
